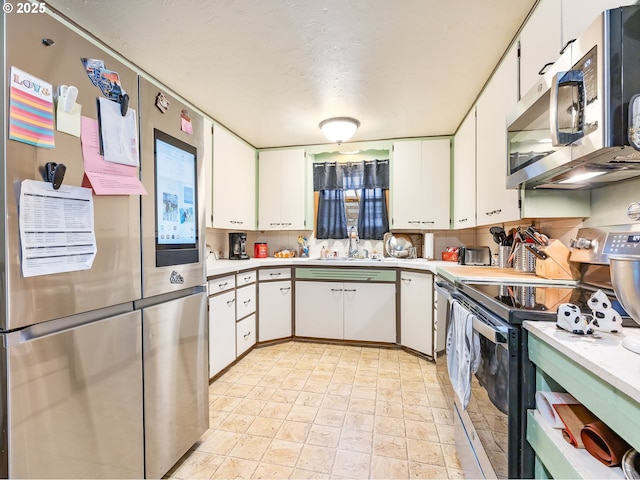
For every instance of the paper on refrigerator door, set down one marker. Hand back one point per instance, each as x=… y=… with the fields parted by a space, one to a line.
x=56 y=228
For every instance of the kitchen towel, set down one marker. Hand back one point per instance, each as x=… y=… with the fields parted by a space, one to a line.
x=463 y=351
x=574 y=417
x=603 y=443
x=545 y=401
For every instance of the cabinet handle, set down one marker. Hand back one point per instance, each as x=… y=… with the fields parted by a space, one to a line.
x=462 y=220
x=222 y=285
x=566 y=45
x=274 y=223
x=406 y=279
x=285 y=289
x=236 y=222
x=493 y=212
x=230 y=302
x=429 y=222
x=414 y=221
x=287 y=224
x=246 y=279
x=545 y=67
x=275 y=274
x=336 y=290
x=247 y=302
x=350 y=290
x=246 y=334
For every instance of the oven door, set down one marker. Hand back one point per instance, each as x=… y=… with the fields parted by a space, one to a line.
x=483 y=439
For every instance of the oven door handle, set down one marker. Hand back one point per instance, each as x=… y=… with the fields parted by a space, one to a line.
x=492 y=334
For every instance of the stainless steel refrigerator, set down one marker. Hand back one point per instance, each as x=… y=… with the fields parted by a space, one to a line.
x=77 y=347
x=175 y=347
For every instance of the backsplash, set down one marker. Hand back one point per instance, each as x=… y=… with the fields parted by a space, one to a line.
x=561 y=229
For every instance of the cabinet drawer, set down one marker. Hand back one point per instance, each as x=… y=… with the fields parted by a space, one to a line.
x=245 y=278
x=245 y=334
x=274 y=274
x=245 y=301
x=222 y=284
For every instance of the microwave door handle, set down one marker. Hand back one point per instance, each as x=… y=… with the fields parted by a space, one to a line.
x=490 y=333
x=574 y=81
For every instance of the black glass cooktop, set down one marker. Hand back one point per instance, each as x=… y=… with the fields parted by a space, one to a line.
x=515 y=303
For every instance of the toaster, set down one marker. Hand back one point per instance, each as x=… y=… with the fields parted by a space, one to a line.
x=474 y=255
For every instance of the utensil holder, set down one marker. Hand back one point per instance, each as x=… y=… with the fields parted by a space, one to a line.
x=524 y=260
x=503 y=256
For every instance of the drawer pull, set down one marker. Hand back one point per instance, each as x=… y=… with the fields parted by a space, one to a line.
x=276 y=274
x=230 y=302
x=222 y=285
x=336 y=290
x=406 y=279
x=246 y=334
x=247 y=302
x=247 y=279
x=285 y=289
x=350 y=290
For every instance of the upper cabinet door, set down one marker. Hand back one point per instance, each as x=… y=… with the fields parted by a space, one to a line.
x=540 y=43
x=281 y=200
x=577 y=15
x=464 y=174
x=494 y=202
x=234 y=182
x=420 y=184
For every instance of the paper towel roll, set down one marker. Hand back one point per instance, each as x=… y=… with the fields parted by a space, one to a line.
x=427 y=246
x=545 y=402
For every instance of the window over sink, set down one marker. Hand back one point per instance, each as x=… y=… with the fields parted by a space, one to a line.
x=351 y=194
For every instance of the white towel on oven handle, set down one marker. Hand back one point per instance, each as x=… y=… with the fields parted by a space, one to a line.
x=463 y=351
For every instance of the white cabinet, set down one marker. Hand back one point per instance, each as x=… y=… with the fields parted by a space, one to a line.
x=420 y=184
x=232 y=319
x=464 y=174
x=245 y=334
x=416 y=311
x=494 y=202
x=222 y=331
x=281 y=186
x=275 y=304
x=319 y=310
x=540 y=42
x=346 y=310
x=370 y=312
x=234 y=182
x=207 y=130
x=577 y=15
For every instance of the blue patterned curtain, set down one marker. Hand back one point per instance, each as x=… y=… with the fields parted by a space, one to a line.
x=371 y=178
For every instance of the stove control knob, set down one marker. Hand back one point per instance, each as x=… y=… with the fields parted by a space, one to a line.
x=580 y=243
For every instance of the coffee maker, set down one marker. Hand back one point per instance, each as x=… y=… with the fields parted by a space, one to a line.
x=237 y=246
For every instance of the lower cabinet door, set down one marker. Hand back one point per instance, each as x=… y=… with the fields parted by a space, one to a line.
x=245 y=334
x=222 y=331
x=275 y=310
x=416 y=311
x=319 y=309
x=370 y=312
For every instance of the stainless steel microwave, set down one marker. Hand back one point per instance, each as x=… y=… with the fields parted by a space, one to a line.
x=575 y=129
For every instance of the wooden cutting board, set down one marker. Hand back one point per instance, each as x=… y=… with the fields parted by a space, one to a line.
x=479 y=273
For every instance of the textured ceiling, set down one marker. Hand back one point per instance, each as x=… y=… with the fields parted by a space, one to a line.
x=271 y=70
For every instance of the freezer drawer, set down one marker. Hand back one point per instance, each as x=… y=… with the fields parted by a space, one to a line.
x=176 y=380
x=74 y=405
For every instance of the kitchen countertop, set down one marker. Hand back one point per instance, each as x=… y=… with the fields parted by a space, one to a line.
x=601 y=353
x=449 y=270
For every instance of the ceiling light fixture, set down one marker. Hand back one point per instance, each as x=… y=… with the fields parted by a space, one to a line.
x=339 y=129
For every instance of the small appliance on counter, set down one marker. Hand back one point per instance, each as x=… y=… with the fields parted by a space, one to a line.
x=238 y=246
x=260 y=250
x=474 y=255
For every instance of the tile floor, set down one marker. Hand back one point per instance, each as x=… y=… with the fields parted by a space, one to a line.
x=310 y=410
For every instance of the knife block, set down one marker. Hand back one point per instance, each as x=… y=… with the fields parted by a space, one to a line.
x=557 y=265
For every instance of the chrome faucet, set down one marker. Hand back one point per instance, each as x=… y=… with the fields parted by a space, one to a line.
x=353 y=240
